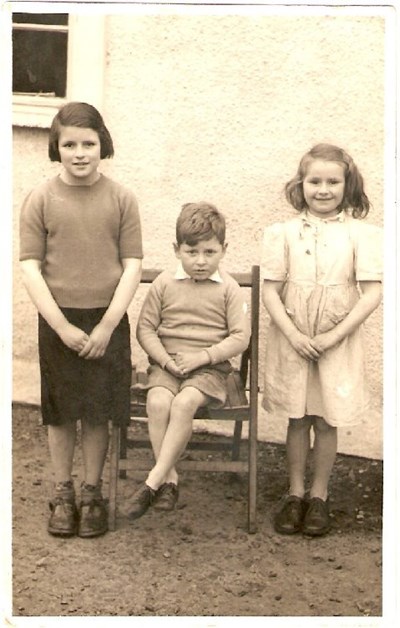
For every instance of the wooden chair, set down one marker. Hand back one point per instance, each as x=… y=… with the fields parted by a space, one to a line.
x=241 y=405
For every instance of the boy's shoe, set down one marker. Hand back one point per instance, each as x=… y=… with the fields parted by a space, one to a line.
x=316 y=520
x=166 y=497
x=140 y=501
x=289 y=519
x=93 y=517
x=63 y=520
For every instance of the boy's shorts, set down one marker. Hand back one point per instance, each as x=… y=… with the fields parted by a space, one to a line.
x=210 y=380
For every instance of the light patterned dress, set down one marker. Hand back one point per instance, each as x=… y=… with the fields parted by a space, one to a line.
x=320 y=262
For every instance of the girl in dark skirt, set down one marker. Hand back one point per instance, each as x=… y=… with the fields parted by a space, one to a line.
x=80 y=253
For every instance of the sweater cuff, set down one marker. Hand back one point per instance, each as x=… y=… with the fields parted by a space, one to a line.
x=212 y=355
x=165 y=361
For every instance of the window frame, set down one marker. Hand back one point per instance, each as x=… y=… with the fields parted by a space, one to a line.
x=85 y=74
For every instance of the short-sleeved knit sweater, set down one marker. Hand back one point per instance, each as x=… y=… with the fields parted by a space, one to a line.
x=80 y=234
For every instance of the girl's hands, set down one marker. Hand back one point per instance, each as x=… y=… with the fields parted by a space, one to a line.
x=89 y=347
x=322 y=342
x=312 y=348
x=97 y=342
x=73 y=337
x=304 y=346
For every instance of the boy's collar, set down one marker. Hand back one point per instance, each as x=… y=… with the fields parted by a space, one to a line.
x=182 y=274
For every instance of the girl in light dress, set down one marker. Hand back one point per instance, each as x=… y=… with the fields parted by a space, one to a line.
x=322 y=275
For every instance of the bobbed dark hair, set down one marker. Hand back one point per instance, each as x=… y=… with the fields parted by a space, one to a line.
x=199 y=221
x=85 y=116
x=354 y=196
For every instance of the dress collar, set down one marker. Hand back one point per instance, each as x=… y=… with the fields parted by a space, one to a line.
x=182 y=274
x=310 y=219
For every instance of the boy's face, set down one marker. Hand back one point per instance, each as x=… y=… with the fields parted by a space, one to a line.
x=201 y=260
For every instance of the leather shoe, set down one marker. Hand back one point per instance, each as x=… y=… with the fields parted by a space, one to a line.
x=140 y=501
x=289 y=518
x=166 y=497
x=316 y=520
x=63 y=520
x=93 y=520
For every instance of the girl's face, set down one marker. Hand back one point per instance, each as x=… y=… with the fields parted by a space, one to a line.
x=323 y=187
x=80 y=155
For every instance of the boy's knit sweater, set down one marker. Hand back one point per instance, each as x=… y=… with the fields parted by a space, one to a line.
x=181 y=315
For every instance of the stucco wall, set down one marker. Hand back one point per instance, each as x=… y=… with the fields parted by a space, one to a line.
x=221 y=108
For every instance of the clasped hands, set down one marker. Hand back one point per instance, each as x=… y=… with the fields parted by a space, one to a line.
x=312 y=348
x=185 y=362
x=88 y=346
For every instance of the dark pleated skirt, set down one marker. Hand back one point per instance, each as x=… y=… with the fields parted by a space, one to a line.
x=73 y=388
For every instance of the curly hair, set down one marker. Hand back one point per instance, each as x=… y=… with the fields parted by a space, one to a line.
x=354 y=196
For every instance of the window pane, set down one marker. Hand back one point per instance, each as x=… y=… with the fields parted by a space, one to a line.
x=40 y=18
x=39 y=56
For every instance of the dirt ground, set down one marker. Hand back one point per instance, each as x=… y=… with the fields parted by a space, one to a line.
x=198 y=560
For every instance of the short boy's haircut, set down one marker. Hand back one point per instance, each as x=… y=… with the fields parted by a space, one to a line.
x=199 y=221
x=354 y=196
x=82 y=115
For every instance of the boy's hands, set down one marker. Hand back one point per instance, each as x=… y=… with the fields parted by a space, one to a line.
x=184 y=363
x=173 y=368
x=189 y=361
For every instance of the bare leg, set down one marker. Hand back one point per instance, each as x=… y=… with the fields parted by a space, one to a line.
x=94 y=451
x=177 y=436
x=325 y=447
x=297 y=450
x=159 y=401
x=61 y=439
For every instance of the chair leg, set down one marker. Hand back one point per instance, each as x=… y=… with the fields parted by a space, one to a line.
x=252 y=477
x=237 y=436
x=122 y=448
x=114 y=466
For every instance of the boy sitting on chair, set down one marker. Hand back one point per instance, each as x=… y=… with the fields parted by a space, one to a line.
x=191 y=323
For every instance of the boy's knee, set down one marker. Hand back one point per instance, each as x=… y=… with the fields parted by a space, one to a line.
x=186 y=402
x=158 y=399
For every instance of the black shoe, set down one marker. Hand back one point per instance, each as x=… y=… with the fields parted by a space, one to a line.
x=166 y=497
x=63 y=520
x=140 y=501
x=93 y=516
x=316 y=520
x=289 y=518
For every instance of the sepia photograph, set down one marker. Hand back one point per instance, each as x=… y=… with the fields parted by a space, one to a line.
x=198 y=358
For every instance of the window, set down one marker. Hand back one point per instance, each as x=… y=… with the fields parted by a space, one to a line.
x=40 y=54
x=56 y=57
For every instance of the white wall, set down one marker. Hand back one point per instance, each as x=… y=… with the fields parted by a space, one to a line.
x=221 y=108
